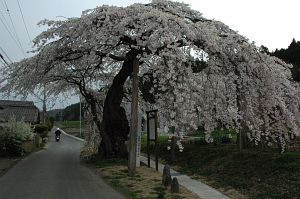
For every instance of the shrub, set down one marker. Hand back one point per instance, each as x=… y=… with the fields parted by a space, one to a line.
x=41 y=129
x=50 y=122
x=12 y=135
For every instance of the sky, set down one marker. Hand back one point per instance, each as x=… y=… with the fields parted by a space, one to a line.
x=272 y=23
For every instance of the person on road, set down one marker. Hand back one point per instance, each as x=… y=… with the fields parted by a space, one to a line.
x=57 y=134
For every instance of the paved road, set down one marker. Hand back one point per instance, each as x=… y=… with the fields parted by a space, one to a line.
x=54 y=173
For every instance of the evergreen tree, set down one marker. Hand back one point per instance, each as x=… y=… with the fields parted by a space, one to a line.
x=291 y=55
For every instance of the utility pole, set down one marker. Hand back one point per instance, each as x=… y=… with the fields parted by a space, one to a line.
x=80 y=115
x=44 y=105
x=134 y=119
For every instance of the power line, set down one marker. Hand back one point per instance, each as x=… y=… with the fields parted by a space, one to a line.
x=9 y=30
x=24 y=21
x=11 y=35
x=15 y=31
x=4 y=19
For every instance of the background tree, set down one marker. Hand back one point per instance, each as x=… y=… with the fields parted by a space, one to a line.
x=291 y=56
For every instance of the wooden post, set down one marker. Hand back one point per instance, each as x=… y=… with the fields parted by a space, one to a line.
x=138 y=141
x=240 y=140
x=44 y=104
x=148 y=140
x=134 y=119
x=156 y=147
x=80 y=127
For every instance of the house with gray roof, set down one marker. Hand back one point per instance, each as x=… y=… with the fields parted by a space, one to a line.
x=25 y=110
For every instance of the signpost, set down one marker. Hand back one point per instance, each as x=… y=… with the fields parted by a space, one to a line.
x=152 y=135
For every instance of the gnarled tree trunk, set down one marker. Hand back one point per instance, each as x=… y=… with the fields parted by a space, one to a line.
x=115 y=123
x=105 y=148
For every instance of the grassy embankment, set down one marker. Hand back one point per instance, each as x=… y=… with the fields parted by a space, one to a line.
x=254 y=173
x=145 y=184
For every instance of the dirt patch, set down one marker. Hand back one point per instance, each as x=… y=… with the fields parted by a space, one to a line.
x=146 y=183
x=6 y=164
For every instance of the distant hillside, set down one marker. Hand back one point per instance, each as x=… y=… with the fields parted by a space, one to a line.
x=54 y=112
x=70 y=113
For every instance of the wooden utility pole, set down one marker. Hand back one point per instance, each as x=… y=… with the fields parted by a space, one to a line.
x=80 y=124
x=44 y=104
x=134 y=119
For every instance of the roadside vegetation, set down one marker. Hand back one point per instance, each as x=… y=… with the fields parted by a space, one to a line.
x=255 y=173
x=18 y=139
x=13 y=137
x=146 y=183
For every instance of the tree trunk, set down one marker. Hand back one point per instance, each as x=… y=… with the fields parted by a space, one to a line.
x=105 y=145
x=105 y=148
x=115 y=123
x=242 y=139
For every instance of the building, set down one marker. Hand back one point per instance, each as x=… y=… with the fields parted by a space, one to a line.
x=25 y=110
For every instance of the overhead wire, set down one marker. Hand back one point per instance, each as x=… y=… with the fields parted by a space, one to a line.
x=15 y=31
x=5 y=21
x=6 y=25
x=11 y=35
x=24 y=21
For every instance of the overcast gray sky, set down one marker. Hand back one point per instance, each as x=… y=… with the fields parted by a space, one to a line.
x=273 y=23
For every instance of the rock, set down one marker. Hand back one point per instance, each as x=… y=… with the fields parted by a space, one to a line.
x=174 y=186
x=166 y=178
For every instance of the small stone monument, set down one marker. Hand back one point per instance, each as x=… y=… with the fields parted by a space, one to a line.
x=174 y=186
x=166 y=178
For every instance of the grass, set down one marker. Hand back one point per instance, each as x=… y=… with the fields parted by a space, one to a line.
x=72 y=127
x=145 y=184
x=254 y=173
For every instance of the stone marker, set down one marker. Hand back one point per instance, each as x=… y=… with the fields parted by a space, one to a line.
x=174 y=186
x=166 y=178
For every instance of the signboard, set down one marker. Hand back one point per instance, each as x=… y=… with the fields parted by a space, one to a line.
x=152 y=129
x=152 y=134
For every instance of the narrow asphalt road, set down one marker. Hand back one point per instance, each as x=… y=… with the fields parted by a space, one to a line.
x=55 y=173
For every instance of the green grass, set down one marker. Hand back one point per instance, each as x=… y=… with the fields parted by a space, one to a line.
x=255 y=173
x=109 y=162
x=70 y=126
x=160 y=191
x=144 y=184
